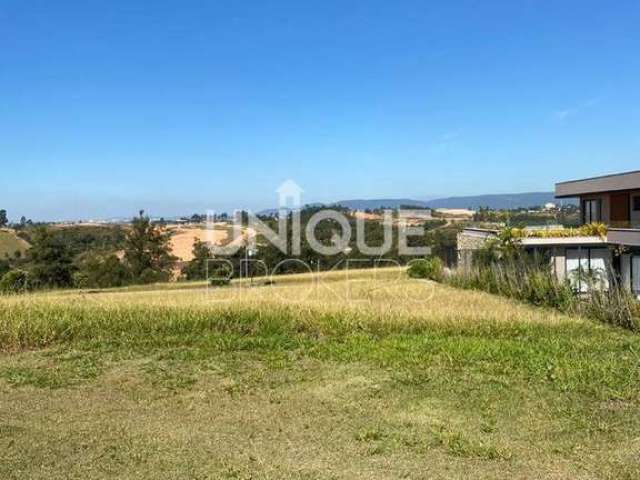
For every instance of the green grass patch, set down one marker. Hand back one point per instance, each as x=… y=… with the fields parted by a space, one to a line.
x=136 y=389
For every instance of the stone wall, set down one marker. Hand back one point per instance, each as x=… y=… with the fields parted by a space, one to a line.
x=469 y=241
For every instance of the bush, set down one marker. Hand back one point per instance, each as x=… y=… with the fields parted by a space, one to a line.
x=15 y=281
x=5 y=266
x=430 y=268
x=219 y=282
x=97 y=270
x=219 y=276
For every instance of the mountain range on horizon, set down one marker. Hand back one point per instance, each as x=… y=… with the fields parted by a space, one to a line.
x=500 y=201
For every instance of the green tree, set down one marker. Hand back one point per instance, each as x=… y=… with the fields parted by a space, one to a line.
x=196 y=269
x=4 y=221
x=147 y=251
x=50 y=260
x=98 y=270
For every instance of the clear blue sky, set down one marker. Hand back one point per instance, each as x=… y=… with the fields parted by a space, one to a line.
x=179 y=106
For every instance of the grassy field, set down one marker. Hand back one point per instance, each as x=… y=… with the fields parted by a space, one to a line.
x=337 y=376
x=10 y=243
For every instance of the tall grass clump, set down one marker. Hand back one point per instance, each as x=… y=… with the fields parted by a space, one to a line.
x=503 y=268
x=538 y=285
x=520 y=280
x=615 y=305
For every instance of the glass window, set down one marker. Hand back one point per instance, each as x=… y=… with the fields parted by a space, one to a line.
x=587 y=266
x=598 y=263
x=591 y=212
x=636 y=203
x=578 y=268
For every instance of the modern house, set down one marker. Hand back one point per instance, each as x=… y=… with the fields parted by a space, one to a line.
x=613 y=200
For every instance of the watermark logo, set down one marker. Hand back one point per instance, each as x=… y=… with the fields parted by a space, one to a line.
x=289 y=195
x=353 y=239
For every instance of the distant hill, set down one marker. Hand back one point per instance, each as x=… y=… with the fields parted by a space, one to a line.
x=497 y=201
x=502 y=201
x=10 y=243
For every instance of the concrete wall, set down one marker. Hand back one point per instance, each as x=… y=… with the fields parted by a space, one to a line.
x=625 y=267
x=468 y=241
x=558 y=262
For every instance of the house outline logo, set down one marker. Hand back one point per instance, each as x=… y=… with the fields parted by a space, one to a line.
x=289 y=194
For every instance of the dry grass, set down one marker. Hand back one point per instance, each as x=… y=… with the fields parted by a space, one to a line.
x=323 y=376
x=386 y=295
x=10 y=243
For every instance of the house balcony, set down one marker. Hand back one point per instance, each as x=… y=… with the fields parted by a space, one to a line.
x=624 y=233
x=618 y=233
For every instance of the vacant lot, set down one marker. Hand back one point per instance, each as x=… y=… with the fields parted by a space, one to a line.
x=341 y=376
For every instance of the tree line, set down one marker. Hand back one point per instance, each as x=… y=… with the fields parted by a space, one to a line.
x=115 y=256
x=86 y=257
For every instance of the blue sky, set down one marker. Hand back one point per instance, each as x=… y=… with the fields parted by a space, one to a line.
x=180 y=106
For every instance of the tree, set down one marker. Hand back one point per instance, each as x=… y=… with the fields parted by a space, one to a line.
x=196 y=269
x=4 y=221
x=50 y=261
x=147 y=251
x=98 y=270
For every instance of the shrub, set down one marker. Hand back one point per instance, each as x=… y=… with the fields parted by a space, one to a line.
x=5 y=266
x=97 y=270
x=430 y=268
x=219 y=282
x=588 y=230
x=219 y=276
x=14 y=281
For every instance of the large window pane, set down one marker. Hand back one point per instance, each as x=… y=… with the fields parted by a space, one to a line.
x=591 y=211
x=599 y=266
x=588 y=266
x=577 y=268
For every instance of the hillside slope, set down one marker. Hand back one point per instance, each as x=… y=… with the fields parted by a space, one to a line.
x=10 y=243
x=503 y=201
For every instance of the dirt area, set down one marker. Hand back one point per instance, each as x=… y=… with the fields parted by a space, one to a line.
x=183 y=237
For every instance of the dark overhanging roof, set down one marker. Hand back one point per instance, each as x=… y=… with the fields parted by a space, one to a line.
x=605 y=183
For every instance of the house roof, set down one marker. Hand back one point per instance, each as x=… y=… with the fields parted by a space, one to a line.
x=605 y=183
